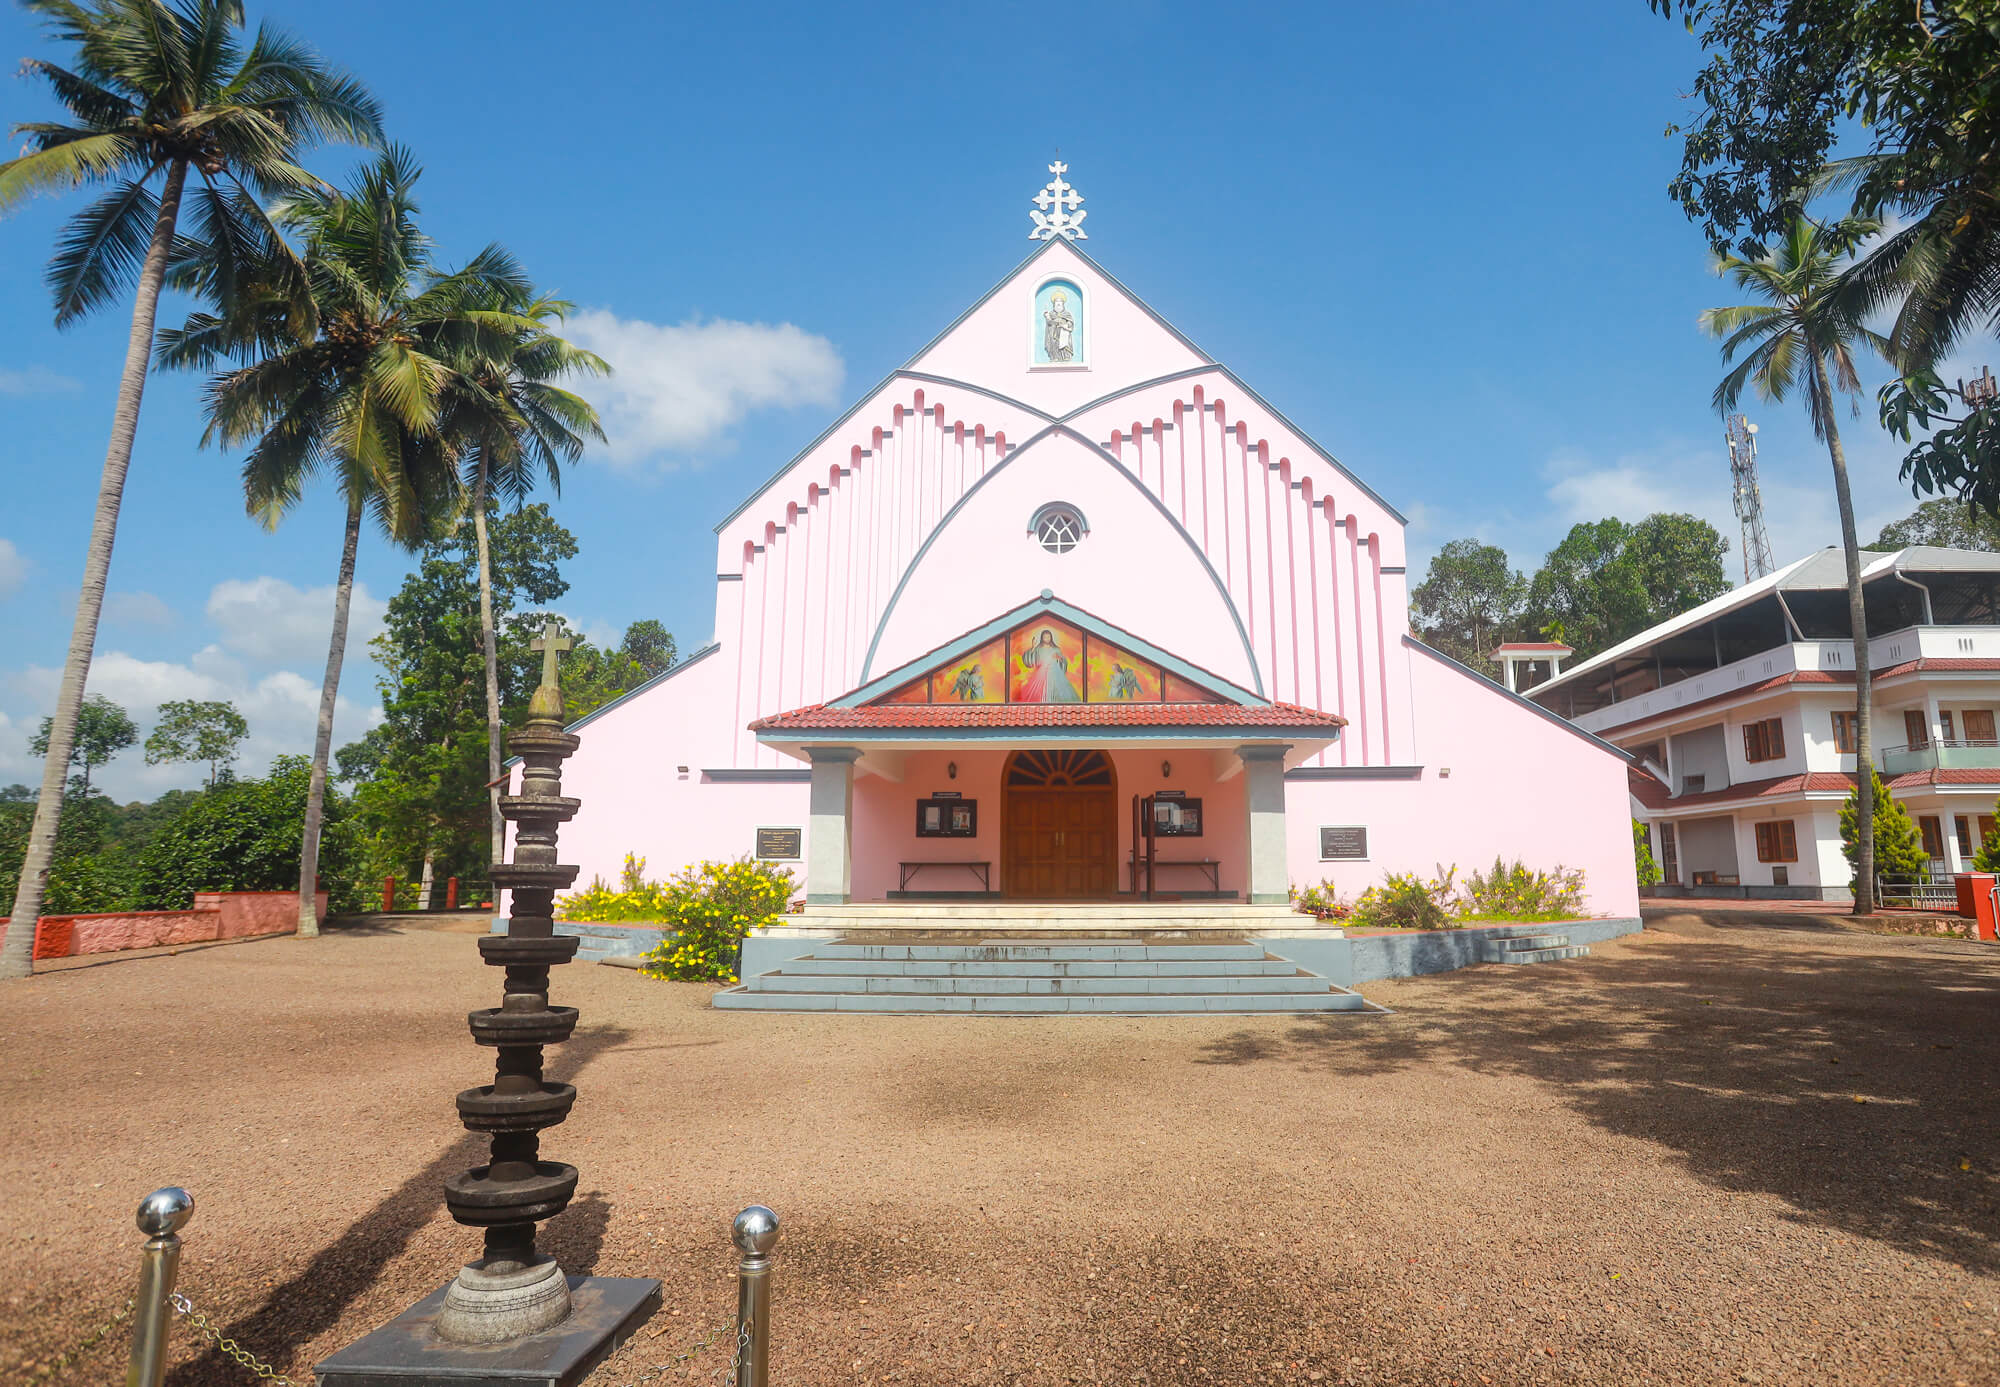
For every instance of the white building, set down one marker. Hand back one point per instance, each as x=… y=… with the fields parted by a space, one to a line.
x=1740 y=715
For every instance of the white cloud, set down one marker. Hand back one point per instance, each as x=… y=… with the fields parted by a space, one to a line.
x=143 y=609
x=676 y=387
x=14 y=568
x=267 y=619
x=35 y=380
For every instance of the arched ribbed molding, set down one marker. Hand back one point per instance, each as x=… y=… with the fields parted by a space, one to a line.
x=1051 y=430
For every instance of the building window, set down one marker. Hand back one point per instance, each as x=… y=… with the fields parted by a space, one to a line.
x=1916 y=732
x=1693 y=784
x=1844 y=732
x=1979 y=727
x=1932 y=832
x=1944 y=722
x=1670 y=858
x=1777 y=842
x=1764 y=741
x=1058 y=528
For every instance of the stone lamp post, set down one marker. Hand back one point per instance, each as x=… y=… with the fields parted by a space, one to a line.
x=511 y=1316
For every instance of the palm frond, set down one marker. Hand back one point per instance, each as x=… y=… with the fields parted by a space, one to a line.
x=100 y=252
x=61 y=165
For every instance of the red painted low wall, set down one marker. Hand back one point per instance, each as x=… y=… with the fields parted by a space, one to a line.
x=216 y=915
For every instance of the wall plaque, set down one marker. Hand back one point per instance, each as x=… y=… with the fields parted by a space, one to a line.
x=939 y=817
x=1343 y=843
x=780 y=844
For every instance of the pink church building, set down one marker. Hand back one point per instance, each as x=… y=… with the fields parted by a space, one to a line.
x=1061 y=577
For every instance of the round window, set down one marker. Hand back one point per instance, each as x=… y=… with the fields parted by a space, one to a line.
x=1058 y=528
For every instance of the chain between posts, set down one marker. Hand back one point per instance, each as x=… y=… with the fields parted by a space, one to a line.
x=82 y=1346
x=227 y=1346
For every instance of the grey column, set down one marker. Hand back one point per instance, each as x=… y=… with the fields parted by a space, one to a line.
x=1264 y=794
x=829 y=825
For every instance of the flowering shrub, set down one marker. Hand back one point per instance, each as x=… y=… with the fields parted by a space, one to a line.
x=710 y=906
x=1511 y=891
x=1320 y=901
x=1405 y=900
x=635 y=900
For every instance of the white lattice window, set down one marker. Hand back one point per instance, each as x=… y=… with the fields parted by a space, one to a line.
x=1058 y=528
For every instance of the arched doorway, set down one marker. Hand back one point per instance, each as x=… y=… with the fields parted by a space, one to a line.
x=1059 y=826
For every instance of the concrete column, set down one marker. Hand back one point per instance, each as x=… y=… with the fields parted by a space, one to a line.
x=830 y=825
x=1264 y=796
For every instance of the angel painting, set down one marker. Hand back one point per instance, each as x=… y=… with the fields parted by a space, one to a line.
x=1047 y=679
x=969 y=686
x=1125 y=682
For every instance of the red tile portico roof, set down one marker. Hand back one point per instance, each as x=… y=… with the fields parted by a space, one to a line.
x=1810 y=783
x=939 y=717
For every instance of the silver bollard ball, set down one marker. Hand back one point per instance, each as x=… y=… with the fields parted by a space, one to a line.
x=755 y=1230
x=165 y=1211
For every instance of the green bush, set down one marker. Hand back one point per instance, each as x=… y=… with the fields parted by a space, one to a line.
x=1512 y=891
x=1407 y=901
x=1321 y=901
x=709 y=906
x=243 y=835
x=1642 y=855
x=1899 y=848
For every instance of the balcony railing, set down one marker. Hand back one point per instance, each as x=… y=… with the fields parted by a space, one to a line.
x=1944 y=755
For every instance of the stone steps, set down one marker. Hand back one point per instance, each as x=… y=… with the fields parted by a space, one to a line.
x=1531 y=948
x=999 y=976
x=604 y=941
x=1033 y=918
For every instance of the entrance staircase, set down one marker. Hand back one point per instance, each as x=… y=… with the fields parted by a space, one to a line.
x=1015 y=959
x=1531 y=948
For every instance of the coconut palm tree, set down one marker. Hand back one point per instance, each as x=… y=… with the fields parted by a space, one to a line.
x=359 y=396
x=1803 y=337
x=514 y=424
x=153 y=92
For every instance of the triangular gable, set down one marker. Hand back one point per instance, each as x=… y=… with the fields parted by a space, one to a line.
x=1047 y=651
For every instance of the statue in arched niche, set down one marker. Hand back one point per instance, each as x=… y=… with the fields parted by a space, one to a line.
x=1059 y=329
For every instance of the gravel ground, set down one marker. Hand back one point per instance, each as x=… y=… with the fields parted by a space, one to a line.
x=1733 y=1149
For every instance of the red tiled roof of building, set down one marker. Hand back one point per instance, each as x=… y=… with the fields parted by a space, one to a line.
x=1942 y=665
x=1534 y=645
x=1814 y=783
x=1648 y=788
x=895 y=717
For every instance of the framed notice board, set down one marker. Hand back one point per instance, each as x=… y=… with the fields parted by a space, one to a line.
x=1343 y=843
x=947 y=816
x=1176 y=817
x=780 y=844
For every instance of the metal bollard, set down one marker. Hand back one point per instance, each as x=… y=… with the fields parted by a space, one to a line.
x=755 y=1233
x=162 y=1214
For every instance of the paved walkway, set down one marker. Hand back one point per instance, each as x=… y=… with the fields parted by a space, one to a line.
x=1712 y=1153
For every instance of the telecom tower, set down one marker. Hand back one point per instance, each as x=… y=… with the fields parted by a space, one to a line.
x=1742 y=436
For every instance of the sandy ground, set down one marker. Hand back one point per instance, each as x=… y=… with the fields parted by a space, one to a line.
x=1734 y=1149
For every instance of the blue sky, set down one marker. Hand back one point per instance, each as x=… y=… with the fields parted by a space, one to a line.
x=1436 y=237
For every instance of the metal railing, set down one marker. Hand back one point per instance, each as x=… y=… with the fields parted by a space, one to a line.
x=163 y=1213
x=1918 y=895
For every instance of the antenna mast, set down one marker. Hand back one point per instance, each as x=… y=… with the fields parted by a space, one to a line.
x=1742 y=437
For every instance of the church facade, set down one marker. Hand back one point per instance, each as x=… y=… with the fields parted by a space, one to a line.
x=1063 y=610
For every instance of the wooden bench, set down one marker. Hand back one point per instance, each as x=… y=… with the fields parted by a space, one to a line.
x=1212 y=866
x=982 y=870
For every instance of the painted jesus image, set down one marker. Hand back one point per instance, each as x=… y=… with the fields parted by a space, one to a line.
x=1047 y=680
x=1059 y=330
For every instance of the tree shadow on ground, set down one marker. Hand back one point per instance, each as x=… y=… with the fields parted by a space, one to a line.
x=1856 y=1086
x=342 y=1270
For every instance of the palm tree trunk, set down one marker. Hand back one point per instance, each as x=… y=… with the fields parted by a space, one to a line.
x=323 y=739
x=17 y=954
x=1864 y=698
x=497 y=825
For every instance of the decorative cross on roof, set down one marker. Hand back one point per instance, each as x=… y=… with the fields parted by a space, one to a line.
x=1057 y=213
x=552 y=642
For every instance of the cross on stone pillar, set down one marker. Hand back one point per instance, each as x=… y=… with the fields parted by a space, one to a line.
x=552 y=642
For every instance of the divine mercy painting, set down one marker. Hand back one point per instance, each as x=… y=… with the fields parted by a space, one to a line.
x=1046 y=666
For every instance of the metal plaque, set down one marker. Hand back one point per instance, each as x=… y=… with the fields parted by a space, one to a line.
x=780 y=844
x=1343 y=842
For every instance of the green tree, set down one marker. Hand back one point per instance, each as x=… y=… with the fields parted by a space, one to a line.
x=1897 y=850
x=1642 y=855
x=1608 y=581
x=1804 y=337
x=244 y=836
x=1945 y=524
x=357 y=386
x=513 y=424
x=102 y=731
x=153 y=92
x=1920 y=81
x=650 y=646
x=192 y=730
x=593 y=676
x=1468 y=602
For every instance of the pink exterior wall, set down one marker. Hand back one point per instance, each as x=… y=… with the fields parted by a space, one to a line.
x=1217 y=533
x=215 y=915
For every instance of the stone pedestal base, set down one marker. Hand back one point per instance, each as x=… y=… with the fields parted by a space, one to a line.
x=486 y=1305
x=408 y=1351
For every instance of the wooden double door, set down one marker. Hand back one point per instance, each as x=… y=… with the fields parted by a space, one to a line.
x=1061 y=826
